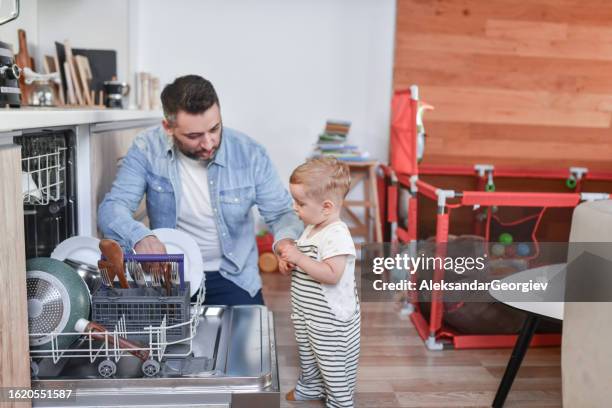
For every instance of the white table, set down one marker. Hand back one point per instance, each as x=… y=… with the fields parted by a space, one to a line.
x=553 y=310
x=535 y=311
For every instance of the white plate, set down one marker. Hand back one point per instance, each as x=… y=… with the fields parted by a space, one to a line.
x=80 y=248
x=28 y=186
x=179 y=242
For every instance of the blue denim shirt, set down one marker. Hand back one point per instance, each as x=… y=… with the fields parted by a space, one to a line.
x=240 y=175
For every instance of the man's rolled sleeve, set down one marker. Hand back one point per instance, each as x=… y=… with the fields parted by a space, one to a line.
x=115 y=214
x=274 y=202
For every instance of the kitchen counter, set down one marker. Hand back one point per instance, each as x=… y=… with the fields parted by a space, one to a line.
x=31 y=117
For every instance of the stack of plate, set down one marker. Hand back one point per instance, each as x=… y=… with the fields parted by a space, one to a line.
x=179 y=242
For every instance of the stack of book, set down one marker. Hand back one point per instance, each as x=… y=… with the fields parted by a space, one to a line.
x=332 y=142
x=335 y=131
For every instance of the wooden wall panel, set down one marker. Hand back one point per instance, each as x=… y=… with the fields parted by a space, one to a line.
x=512 y=82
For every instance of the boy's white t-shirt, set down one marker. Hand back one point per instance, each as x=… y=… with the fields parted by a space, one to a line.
x=335 y=239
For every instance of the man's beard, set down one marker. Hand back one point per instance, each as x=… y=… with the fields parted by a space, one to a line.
x=195 y=155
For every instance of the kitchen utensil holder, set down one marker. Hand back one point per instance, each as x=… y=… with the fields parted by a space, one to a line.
x=144 y=307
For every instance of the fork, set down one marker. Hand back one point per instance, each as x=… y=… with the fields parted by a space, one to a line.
x=141 y=274
x=106 y=272
x=137 y=273
x=155 y=277
x=176 y=280
x=105 y=278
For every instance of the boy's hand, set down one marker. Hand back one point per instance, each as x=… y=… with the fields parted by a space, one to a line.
x=282 y=244
x=284 y=268
x=290 y=254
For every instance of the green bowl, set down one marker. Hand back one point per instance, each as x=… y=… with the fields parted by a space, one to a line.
x=57 y=298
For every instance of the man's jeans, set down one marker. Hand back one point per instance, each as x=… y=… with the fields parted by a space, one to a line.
x=221 y=291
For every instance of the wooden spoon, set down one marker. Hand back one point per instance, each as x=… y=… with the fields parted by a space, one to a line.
x=113 y=253
x=99 y=332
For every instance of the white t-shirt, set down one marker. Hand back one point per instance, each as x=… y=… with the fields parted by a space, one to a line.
x=335 y=239
x=195 y=216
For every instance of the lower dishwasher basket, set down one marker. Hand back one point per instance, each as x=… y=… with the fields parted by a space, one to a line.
x=233 y=364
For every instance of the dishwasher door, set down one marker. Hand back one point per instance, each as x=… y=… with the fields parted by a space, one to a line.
x=233 y=363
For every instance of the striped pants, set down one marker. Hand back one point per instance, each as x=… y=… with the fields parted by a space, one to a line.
x=329 y=355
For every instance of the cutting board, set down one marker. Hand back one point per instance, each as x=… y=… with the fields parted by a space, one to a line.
x=103 y=66
x=74 y=75
x=60 y=54
x=23 y=60
x=84 y=71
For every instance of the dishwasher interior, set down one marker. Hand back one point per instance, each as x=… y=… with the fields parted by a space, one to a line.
x=232 y=363
x=48 y=178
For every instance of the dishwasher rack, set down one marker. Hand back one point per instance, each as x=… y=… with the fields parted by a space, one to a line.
x=43 y=177
x=109 y=351
x=49 y=188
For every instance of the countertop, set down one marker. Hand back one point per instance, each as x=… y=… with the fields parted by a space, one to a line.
x=30 y=117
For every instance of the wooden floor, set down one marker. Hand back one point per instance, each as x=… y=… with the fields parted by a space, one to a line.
x=396 y=370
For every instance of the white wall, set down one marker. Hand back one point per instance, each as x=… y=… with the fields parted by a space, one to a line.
x=27 y=20
x=280 y=67
x=86 y=24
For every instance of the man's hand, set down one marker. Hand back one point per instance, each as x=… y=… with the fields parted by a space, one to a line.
x=150 y=245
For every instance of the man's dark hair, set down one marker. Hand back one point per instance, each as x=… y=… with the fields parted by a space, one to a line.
x=190 y=93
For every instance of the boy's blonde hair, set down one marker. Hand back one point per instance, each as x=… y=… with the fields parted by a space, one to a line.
x=323 y=178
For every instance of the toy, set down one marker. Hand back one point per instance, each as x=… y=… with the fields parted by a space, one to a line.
x=498 y=250
x=267 y=260
x=403 y=182
x=523 y=249
x=505 y=238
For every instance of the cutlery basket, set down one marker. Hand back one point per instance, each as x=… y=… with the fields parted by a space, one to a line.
x=142 y=307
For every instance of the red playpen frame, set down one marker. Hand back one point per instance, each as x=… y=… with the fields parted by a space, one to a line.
x=404 y=174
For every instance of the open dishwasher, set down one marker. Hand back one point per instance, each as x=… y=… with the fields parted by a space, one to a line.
x=230 y=361
x=147 y=345
x=218 y=357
